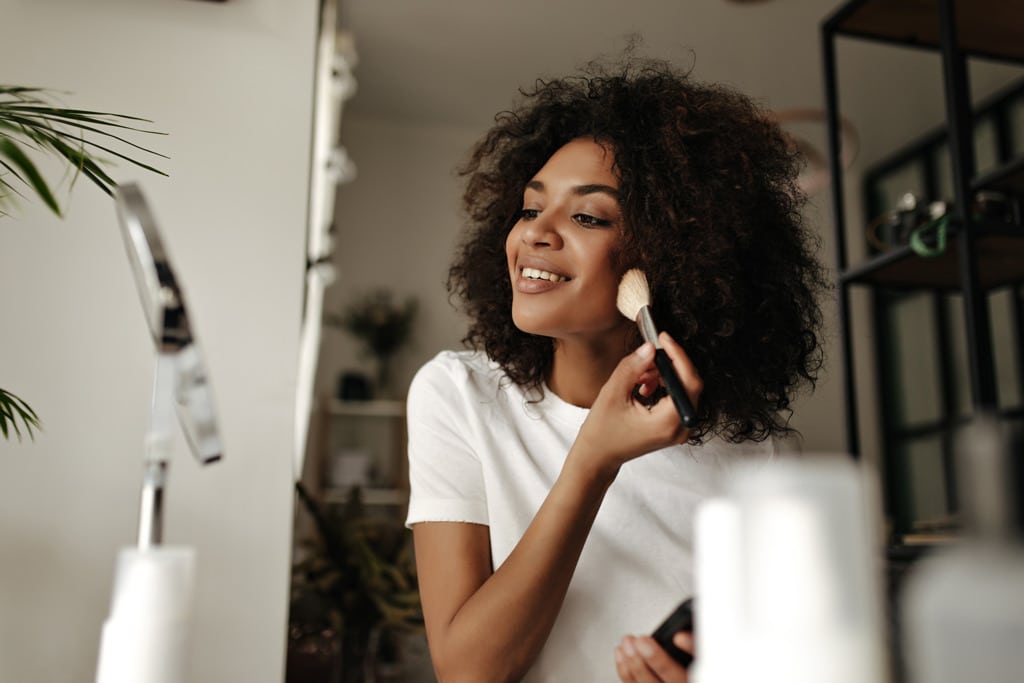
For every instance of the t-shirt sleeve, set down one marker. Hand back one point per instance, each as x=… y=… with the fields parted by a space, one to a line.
x=445 y=474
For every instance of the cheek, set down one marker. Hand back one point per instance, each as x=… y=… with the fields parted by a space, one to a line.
x=608 y=303
x=511 y=240
x=608 y=288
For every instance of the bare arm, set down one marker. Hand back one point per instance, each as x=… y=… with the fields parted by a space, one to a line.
x=490 y=627
x=485 y=626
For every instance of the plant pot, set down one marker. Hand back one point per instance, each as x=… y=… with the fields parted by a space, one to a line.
x=314 y=655
x=354 y=386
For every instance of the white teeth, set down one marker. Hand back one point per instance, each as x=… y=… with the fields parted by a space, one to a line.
x=534 y=274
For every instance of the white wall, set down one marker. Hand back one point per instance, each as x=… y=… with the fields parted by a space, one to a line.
x=232 y=85
x=397 y=226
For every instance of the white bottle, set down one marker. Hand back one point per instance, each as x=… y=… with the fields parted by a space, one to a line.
x=963 y=607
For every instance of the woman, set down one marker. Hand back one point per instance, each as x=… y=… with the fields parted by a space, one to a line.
x=553 y=486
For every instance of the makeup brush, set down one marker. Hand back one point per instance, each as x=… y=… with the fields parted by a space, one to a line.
x=634 y=302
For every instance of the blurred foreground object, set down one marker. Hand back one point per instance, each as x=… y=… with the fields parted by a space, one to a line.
x=964 y=606
x=788 y=576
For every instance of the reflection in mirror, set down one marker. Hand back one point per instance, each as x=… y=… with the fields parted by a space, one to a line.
x=427 y=90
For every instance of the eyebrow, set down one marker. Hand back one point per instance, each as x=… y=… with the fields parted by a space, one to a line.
x=581 y=190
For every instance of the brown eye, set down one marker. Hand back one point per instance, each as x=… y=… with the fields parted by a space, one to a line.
x=588 y=221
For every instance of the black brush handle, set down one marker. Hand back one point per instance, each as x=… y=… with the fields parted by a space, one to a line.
x=675 y=389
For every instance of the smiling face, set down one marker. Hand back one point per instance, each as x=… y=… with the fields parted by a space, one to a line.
x=561 y=250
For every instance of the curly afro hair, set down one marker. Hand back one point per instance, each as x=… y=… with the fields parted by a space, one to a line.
x=712 y=216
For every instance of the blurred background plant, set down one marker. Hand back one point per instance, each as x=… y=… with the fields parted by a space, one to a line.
x=354 y=591
x=380 y=324
x=82 y=142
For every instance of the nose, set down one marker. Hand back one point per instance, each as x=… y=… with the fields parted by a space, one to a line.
x=542 y=231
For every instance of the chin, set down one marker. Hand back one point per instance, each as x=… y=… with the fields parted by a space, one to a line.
x=526 y=328
x=530 y=324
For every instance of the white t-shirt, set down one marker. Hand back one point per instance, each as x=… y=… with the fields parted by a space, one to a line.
x=482 y=450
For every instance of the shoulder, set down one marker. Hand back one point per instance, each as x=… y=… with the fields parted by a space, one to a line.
x=457 y=366
x=457 y=373
x=459 y=362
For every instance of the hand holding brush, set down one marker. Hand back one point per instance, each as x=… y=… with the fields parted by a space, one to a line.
x=634 y=302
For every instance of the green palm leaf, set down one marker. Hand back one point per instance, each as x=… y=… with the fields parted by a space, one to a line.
x=13 y=409
x=21 y=167
x=30 y=126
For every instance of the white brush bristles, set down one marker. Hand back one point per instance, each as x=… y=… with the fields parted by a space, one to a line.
x=634 y=293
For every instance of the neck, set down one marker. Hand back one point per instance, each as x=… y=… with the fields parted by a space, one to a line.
x=581 y=367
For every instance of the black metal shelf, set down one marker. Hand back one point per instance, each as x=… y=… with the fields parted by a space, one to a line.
x=956 y=30
x=999 y=249
x=1008 y=178
x=937 y=427
x=1000 y=246
x=986 y=28
x=980 y=255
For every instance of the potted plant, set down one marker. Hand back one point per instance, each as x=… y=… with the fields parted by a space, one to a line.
x=353 y=590
x=381 y=325
x=30 y=126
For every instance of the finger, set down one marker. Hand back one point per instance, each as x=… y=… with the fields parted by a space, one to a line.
x=660 y=662
x=631 y=369
x=621 y=667
x=648 y=382
x=684 y=641
x=685 y=368
x=634 y=663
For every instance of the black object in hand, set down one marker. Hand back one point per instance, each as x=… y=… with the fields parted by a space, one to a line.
x=680 y=620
